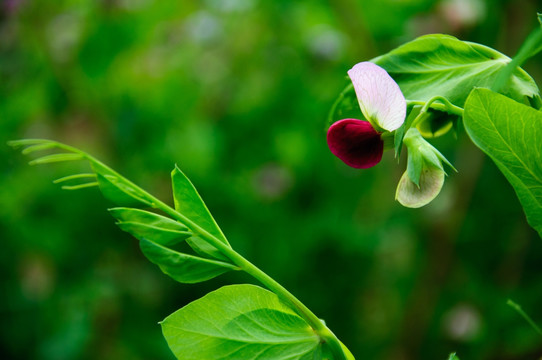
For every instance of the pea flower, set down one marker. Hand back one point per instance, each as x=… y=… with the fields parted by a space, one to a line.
x=360 y=143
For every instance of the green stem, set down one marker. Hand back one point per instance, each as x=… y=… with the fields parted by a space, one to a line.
x=524 y=315
x=530 y=47
x=446 y=106
x=324 y=333
x=318 y=326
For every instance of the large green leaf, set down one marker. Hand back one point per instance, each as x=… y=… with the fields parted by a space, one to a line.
x=240 y=322
x=181 y=267
x=442 y=65
x=147 y=225
x=189 y=203
x=511 y=134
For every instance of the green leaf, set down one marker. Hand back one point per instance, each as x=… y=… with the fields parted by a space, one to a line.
x=37 y=147
x=31 y=143
x=511 y=134
x=69 y=178
x=453 y=356
x=240 y=322
x=117 y=189
x=441 y=65
x=345 y=106
x=80 y=186
x=113 y=186
x=56 y=158
x=181 y=267
x=75 y=177
x=147 y=225
x=189 y=203
x=205 y=249
x=530 y=47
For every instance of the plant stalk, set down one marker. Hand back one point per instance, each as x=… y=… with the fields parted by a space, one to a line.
x=323 y=332
x=318 y=326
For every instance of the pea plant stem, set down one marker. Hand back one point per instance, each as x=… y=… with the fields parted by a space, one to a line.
x=324 y=333
x=318 y=326
x=446 y=106
x=524 y=315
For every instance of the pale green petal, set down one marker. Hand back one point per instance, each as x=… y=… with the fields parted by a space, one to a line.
x=409 y=195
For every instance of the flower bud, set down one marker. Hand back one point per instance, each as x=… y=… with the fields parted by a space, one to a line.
x=414 y=195
x=424 y=176
x=436 y=123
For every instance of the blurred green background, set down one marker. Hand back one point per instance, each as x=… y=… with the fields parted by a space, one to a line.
x=236 y=92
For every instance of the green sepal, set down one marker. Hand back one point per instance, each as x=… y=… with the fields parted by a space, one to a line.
x=443 y=159
x=415 y=142
x=400 y=132
x=424 y=175
x=414 y=166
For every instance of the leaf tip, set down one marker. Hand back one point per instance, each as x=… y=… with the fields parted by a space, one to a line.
x=175 y=169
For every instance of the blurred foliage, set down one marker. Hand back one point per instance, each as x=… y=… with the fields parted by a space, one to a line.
x=236 y=93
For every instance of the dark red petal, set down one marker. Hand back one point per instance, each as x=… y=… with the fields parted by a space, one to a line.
x=356 y=143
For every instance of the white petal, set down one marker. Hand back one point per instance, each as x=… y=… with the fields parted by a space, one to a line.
x=379 y=96
x=409 y=195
